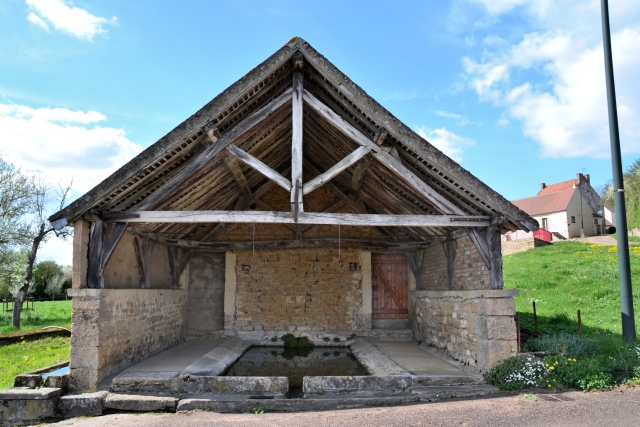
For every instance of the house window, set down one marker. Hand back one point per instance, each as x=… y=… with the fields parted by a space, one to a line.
x=545 y=225
x=573 y=220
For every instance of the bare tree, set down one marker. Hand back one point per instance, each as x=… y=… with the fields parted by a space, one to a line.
x=39 y=232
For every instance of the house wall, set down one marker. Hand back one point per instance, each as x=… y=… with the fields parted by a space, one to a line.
x=476 y=327
x=115 y=328
x=557 y=222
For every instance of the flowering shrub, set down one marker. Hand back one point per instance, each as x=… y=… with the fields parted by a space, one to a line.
x=517 y=373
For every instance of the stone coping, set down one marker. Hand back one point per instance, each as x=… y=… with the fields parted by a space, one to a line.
x=87 y=292
x=472 y=293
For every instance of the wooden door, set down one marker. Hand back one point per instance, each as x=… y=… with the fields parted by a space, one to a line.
x=389 y=285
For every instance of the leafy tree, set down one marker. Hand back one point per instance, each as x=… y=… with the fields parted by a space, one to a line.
x=54 y=287
x=44 y=273
x=631 y=180
x=12 y=272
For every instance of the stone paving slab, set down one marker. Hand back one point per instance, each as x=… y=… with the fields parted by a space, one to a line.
x=375 y=361
x=218 y=360
x=417 y=361
x=177 y=358
x=25 y=393
x=135 y=402
x=82 y=405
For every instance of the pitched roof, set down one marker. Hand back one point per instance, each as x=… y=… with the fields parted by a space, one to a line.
x=214 y=184
x=546 y=203
x=561 y=186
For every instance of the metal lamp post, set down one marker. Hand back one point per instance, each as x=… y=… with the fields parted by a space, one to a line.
x=624 y=268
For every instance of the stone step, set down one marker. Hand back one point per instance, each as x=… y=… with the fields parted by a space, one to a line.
x=446 y=392
x=392 y=334
x=142 y=403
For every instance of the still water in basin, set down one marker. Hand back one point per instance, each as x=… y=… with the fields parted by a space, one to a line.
x=296 y=363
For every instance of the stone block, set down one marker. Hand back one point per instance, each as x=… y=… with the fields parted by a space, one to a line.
x=342 y=384
x=88 y=357
x=492 y=352
x=499 y=306
x=23 y=412
x=82 y=405
x=147 y=382
x=25 y=393
x=501 y=328
x=132 y=402
x=244 y=385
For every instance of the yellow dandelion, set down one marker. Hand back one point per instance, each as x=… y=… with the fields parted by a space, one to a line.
x=549 y=385
x=546 y=364
x=552 y=367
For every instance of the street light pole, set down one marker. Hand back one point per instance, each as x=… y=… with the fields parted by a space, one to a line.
x=624 y=267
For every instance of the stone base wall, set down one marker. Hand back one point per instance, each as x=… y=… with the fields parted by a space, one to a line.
x=522 y=245
x=114 y=328
x=299 y=291
x=475 y=327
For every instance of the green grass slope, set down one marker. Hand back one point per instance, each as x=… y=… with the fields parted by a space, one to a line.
x=46 y=313
x=569 y=276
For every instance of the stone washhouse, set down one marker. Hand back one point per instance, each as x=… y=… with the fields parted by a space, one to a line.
x=292 y=203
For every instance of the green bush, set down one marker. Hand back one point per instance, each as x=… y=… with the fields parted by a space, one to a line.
x=564 y=344
x=517 y=373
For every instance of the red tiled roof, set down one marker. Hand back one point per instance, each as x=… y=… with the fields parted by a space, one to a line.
x=561 y=186
x=545 y=203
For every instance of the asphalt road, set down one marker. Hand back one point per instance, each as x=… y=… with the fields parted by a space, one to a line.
x=617 y=408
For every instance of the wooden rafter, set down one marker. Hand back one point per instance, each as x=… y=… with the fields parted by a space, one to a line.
x=335 y=170
x=258 y=165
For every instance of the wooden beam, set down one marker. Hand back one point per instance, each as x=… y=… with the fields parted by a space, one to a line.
x=241 y=204
x=234 y=168
x=112 y=241
x=290 y=244
x=385 y=158
x=144 y=248
x=480 y=243
x=95 y=279
x=450 y=248
x=296 y=143
x=495 y=258
x=335 y=170
x=415 y=266
x=258 y=165
x=197 y=163
x=178 y=260
x=359 y=173
x=316 y=218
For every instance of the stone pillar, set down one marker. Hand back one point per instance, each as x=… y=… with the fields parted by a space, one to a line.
x=230 y=286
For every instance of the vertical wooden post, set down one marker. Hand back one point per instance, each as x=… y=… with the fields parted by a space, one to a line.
x=95 y=279
x=296 y=143
x=535 y=317
x=579 y=324
x=495 y=258
x=519 y=338
x=81 y=229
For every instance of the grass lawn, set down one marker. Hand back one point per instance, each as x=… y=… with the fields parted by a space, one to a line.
x=46 y=313
x=30 y=355
x=569 y=276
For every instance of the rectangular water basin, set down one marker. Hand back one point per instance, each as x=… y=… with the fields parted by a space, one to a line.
x=297 y=363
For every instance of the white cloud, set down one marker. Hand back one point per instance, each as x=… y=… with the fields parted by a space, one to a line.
x=552 y=82
x=446 y=141
x=66 y=18
x=459 y=118
x=56 y=249
x=63 y=144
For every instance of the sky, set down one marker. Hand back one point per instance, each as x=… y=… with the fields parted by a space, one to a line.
x=513 y=90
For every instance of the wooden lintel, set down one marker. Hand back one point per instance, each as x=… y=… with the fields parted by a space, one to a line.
x=259 y=166
x=316 y=218
x=296 y=143
x=197 y=163
x=335 y=170
x=381 y=155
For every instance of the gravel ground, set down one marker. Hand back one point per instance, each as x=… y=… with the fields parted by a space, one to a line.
x=620 y=407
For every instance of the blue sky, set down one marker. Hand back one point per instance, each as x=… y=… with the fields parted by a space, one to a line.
x=512 y=89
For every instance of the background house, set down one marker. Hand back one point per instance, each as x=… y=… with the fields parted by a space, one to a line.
x=567 y=209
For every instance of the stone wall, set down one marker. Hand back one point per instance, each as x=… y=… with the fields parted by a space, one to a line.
x=299 y=290
x=115 y=328
x=522 y=245
x=469 y=270
x=475 y=327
